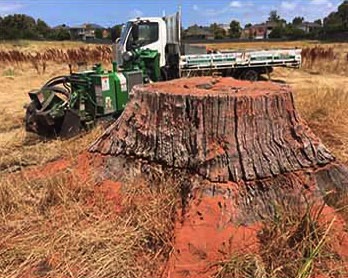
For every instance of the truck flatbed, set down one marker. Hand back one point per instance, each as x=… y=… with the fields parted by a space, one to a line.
x=242 y=59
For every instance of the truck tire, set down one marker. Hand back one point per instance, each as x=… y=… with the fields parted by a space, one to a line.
x=250 y=74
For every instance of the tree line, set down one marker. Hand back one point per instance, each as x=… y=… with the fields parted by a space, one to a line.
x=20 y=26
x=334 y=23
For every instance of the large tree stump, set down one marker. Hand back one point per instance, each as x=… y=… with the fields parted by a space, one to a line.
x=225 y=130
x=242 y=146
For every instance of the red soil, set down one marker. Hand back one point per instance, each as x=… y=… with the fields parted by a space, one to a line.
x=80 y=166
x=338 y=236
x=47 y=170
x=207 y=236
x=112 y=192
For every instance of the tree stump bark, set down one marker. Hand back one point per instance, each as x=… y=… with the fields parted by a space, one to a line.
x=224 y=130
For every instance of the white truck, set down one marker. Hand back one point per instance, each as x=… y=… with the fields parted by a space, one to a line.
x=164 y=35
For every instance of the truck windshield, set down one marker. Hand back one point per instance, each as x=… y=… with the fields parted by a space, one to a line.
x=140 y=34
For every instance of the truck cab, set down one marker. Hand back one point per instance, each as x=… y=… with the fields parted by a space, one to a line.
x=145 y=33
x=156 y=34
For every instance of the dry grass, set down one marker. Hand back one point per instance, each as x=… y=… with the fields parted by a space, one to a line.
x=62 y=227
x=20 y=149
x=27 y=45
x=322 y=100
x=321 y=59
x=295 y=243
x=324 y=108
x=40 y=59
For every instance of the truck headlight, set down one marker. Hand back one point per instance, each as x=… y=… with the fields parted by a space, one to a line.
x=128 y=56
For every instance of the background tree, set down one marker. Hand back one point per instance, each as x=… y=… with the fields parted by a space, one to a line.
x=42 y=28
x=337 y=22
x=318 y=21
x=18 y=26
x=219 y=33
x=60 y=34
x=298 y=20
x=235 y=29
x=114 y=32
x=273 y=16
x=278 y=32
x=343 y=13
x=99 y=34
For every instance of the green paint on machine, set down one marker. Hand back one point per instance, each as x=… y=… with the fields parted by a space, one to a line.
x=74 y=102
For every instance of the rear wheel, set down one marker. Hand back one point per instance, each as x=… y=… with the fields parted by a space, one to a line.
x=251 y=75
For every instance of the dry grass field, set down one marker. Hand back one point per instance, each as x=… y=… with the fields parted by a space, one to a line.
x=58 y=224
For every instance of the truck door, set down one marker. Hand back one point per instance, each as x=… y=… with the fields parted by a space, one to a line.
x=146 y=34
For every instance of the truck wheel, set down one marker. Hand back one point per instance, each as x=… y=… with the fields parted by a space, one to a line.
x=251 y=75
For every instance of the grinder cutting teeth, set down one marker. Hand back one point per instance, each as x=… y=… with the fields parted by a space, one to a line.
x=48 y=105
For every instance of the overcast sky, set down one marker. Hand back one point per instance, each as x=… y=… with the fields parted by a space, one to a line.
x=202 y=12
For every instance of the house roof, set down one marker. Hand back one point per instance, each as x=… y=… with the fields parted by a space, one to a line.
x=310 y=24
x=263 y=25
x=87 y=25
x=224 y=25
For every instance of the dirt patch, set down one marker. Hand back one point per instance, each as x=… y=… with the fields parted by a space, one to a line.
x=206 y=236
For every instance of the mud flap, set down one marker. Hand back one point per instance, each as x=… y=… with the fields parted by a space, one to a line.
x=71 y=124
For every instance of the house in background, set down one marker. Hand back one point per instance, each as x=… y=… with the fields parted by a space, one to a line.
x=226 y=27
x=198 y=33
x=308 y=27
x=85 y=31
x=258 y=31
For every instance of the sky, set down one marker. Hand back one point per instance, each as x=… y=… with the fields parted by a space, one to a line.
x=202 y=12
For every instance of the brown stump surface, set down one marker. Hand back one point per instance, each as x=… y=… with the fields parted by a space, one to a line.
x=225 y=130
x=242 y=145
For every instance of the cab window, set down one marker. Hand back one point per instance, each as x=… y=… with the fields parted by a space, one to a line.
x=141 y=34
x=147 y=33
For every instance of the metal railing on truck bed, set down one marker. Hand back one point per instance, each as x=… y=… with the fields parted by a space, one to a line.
x=242 y=59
